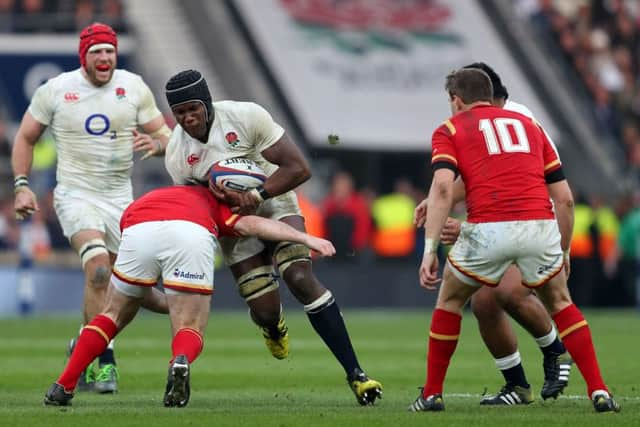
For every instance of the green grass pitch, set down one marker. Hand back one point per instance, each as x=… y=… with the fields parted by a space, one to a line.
x=237 y=383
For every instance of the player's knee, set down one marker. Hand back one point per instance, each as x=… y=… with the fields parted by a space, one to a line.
x=98 y=276
x=257 y=282
x=484 y=303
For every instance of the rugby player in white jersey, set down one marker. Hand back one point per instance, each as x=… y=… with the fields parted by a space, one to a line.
x=491 y=304
x=93 y=114
x=209 y=132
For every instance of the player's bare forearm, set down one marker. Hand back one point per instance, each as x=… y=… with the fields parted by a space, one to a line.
x=268 y=229
x=22 y=153
x=21 y=156
x=439 y=204
x=285 y=179
x=293 y=168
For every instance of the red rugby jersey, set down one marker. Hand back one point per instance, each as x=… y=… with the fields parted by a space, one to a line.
x=505 y=161
x=194 y=203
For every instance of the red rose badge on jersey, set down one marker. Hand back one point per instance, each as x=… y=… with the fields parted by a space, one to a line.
x=232 y=138
x=120 y=93
x=193 y=159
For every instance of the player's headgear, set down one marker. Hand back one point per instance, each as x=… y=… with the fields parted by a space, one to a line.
x=499 y=90
x=96 y=33
x=188 y=86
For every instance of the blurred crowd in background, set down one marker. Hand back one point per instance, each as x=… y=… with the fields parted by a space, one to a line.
x=59 y=16
x=600 y=40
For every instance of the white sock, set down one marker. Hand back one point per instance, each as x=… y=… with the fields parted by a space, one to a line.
x=547 y=340
x=508 y=361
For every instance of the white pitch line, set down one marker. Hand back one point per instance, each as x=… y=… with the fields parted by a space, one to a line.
x=562 y=396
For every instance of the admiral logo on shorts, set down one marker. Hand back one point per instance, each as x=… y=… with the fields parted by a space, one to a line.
x=187 y=275
x=544 y=268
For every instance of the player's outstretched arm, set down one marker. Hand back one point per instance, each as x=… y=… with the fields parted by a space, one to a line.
x=29 y=132
x=268 y=229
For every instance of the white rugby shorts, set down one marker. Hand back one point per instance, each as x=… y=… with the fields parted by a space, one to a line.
x=83 y=210
x=181 y=252
x=484 y=251
x=238 y=249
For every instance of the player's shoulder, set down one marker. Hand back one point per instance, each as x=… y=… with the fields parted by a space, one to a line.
x=127 y=78
x=516 y=107
x=236 y=108
x=66 y=80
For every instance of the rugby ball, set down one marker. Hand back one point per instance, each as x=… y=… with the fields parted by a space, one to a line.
x=238 y=174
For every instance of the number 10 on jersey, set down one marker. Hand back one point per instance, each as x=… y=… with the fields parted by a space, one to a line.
x=498 y=138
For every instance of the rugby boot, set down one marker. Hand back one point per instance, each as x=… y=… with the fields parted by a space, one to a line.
x=365 y=389
x=107 y=379
x=509 y=395
x=557 y=368
x=178 y=390
x=277 y=339
x=431 y=403
x=57 y=396
x=603 y=402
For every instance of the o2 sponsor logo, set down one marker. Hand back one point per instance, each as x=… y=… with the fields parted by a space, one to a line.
x=98 y=124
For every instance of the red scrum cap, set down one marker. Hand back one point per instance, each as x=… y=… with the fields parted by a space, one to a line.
x=96 y=33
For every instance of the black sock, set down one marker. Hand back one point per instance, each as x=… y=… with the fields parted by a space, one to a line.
x=107 y=358
x=555 y=348
x=328 y=323
x=515 y=376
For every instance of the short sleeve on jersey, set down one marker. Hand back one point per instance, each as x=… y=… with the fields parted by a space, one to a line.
x=443 y=152
x=147 y=110
x=226 y=220
x=265 y=132
x=41 y=107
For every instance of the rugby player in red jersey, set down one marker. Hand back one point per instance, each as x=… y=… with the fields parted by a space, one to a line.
x=169 y=233
x=510 y=172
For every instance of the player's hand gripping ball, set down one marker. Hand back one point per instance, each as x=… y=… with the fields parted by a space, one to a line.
x=238 y=174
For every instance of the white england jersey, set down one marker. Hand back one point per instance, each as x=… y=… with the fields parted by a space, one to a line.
x=93 y=127
x=239 y=129
x=525 y=111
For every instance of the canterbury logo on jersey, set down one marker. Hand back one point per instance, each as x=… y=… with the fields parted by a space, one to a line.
x=193 y=159
x=71 y=96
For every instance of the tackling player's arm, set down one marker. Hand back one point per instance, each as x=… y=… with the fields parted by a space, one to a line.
x=268 y=229
x=29 y=132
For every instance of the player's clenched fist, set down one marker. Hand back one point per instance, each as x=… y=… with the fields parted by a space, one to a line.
x=25 y=202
